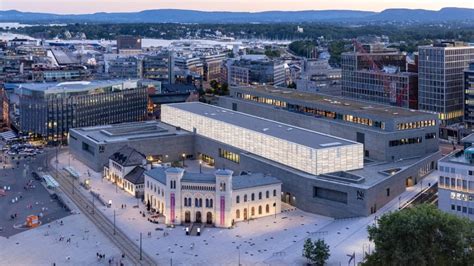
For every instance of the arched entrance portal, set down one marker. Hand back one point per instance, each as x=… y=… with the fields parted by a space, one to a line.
x=209 y=218
x=245 y=214
x=198 y=217
x=187 y=217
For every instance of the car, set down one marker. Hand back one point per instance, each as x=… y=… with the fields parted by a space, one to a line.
x=36 y=176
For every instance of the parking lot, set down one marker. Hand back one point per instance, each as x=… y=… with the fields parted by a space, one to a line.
x=17 y=183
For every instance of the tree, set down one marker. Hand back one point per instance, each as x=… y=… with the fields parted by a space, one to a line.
x=422 y=235
x=317 y=252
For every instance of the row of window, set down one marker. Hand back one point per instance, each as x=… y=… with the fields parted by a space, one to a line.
x=405 y=141
x=455 y=183
x=313 y=111
x=198 y=202
x=462 y=209
x=252 y=196
x=417 y=124
x=453 y=170
x=252 y=211
x=201 y=188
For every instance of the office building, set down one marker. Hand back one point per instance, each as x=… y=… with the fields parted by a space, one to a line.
x=248 y=71
x=158 y=67
x=212 y=66
x=441 y=79
x=388 y=133
x=469 y=96
x=218 y=199
x=123 y=67
x=49 y=110
x=379 y=75
x=456 y=181
x=129 y=45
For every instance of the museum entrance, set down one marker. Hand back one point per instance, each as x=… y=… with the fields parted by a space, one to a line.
x=409 y=181
x=187 y=217
x=198 y=217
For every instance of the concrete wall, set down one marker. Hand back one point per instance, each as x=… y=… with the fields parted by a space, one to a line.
x=173 y=146
x=376 y=141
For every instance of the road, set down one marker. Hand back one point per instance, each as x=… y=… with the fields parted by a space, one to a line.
x=125 y=244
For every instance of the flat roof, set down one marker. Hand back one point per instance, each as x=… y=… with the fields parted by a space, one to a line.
x=127 y=131
x=271 y=128
x=71 y=86
x=352 y=106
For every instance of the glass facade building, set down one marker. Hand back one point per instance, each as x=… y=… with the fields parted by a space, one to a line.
x=49 y=110
x=441 y=79
x=298 y=148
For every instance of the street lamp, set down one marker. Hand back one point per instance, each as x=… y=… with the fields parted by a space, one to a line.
x=200 y=166
x=184 y=156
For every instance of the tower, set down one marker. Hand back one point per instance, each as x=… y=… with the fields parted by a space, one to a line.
x=173 y=195
x=223 y=198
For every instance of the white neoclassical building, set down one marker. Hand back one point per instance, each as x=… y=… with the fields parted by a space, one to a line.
x=219 y=199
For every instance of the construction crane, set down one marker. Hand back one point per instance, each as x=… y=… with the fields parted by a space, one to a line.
x=390 y=88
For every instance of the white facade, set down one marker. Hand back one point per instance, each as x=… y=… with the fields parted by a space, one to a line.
x=456 y=186
x=312 y=160
x=217 y=203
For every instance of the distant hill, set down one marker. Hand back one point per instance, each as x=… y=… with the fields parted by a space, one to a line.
x=192 y=16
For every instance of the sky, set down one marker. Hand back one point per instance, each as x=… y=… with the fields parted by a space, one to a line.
x=91 y=6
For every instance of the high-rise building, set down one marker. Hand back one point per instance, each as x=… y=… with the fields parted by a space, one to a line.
x=441 y=79
x=379 y=75
x=49 y=110
x=469 y=96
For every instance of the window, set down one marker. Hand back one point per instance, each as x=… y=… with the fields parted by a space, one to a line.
x=234 y=157
x=237 y=214
x=207 y=203
x=388 y=192
x=211 y=203
x=260 y=209
x=200 y=203
x=237 y=199
x=274 y=193
x=464 y=209
x=453 y=207
x=196 y=202
x=252 y=211
x=267 y=208
x=471 y=172
x=259 y=195
x=458 y=208
x=253 y=197
x=245 y=198
x=267 y=194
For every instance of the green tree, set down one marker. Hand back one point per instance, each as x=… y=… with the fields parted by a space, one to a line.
x=308 y=249
x=317 y=252
x=422 y=235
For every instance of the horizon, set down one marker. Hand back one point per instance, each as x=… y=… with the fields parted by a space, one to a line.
x=113 y=6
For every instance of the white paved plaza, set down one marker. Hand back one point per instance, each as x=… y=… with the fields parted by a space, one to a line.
x=265 y=241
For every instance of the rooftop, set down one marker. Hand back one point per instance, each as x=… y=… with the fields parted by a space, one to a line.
x=128 y=156
x=352 y=106
x=238 y=182
x=72 y=86
x=127 y=132
x=275 y=129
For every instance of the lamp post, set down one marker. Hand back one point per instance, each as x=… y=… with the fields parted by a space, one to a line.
x=238 y=248
x=200 y=166
x=114 y=222
x=141 y=246
x=184 y=156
